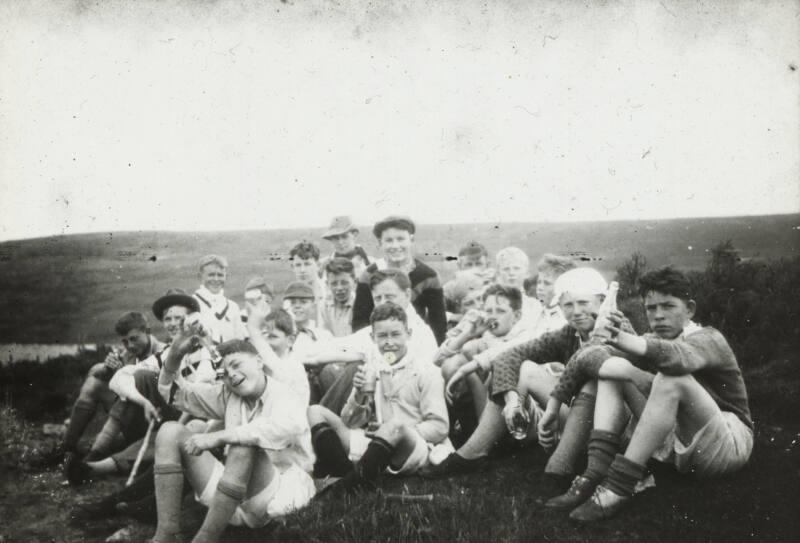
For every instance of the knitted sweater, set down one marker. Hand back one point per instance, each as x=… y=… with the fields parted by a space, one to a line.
x=556 y=346
x=427 y=298
x=705 y=354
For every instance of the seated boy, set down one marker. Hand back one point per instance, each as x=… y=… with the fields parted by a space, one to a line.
x=309 y=338
x=272 y=335
x=385 y=286
x=696 y=414
x=221 y=316
x=269 y=455
x=473 y=258
x=396 y=240
x=580 y=293
x=462 y=293
x=257 y=292
x=394 y=417
x=342 y=234
x=139 y=402
x=337 y=311
x=304 y=262
x=502 y=308
x=138 y=344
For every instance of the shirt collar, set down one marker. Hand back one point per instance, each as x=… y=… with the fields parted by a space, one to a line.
x=211 y=297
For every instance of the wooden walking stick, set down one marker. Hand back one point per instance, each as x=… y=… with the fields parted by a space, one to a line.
x=142 y=449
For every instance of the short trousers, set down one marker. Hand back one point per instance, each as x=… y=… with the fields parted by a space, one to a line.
x=424 y=453
x=722 y=446
x=290 y=489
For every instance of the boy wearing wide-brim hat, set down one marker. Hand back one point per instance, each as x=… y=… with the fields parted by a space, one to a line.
x=342 y=233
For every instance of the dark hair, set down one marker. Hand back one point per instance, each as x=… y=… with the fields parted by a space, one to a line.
x=340 y=265
x=529 y=285
x=401 y=223
x=233 y=346
x=304 y=250
x=400 y=278
x=282 y=321
x=133 y=320
x=388 y=311
x=473 y=248
x=666 y=280
x=512 y=294
x=555 y=264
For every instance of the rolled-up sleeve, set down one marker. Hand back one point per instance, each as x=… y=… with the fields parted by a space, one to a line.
x=203 y=400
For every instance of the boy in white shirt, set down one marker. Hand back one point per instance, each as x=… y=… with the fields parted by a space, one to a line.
x=272 y=335
x=265 y=433
x=221 y=316
x=394 y=417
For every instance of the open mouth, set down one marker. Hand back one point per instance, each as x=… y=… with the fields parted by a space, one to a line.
x=235 y=382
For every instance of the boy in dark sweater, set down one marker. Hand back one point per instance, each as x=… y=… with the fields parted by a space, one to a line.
x=695 y=416
x=396 y=239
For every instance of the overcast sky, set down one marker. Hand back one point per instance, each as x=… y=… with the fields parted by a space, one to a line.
x=240 y=115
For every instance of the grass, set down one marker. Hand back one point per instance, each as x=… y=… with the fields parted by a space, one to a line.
x=758 y=503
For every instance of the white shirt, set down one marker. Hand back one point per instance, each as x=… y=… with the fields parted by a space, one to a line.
x=220 y=315
x=421 y=345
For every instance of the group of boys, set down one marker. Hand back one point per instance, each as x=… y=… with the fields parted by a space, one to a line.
x=372 y=366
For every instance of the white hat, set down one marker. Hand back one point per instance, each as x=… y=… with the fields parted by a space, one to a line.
x=580 y=281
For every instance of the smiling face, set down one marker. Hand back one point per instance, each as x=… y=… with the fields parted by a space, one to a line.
x=580 y=310
x=341 y=286
x=213 y=277
x=391 y=335
x=343 y=243
x=472 y=300
x=173 y=319
x=498 y=309
x=388 y=291
x=136 y=342
x=277 y=338
x=305 y=269
x=244 y=375
x=545 y=283
x=303 y=309
x=397 y=246
x=667 y=314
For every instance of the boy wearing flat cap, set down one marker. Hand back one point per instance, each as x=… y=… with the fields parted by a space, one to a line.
x=220 y=315
x=342 y=234
x=396 y=240
x=257 y=293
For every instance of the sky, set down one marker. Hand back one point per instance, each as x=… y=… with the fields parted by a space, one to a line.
x=255 y=115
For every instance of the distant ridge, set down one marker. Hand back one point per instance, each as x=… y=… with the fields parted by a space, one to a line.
x=71 y=288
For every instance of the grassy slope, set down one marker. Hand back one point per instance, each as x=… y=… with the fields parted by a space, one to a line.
x=72 y=288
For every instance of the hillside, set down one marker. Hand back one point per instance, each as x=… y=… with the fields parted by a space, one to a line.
x=71 y=288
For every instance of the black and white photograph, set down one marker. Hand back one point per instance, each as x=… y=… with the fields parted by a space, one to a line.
x=400 y=271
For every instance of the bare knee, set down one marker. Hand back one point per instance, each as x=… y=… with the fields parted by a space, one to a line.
x=318 y=414
x=393 y=432
x=240 y=455
x=171 y=435
x=670 y=386
x=529 y=371
x=450 y=366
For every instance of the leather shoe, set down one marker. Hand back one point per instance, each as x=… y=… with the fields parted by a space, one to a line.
x=580 y=491
x=603 y=504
